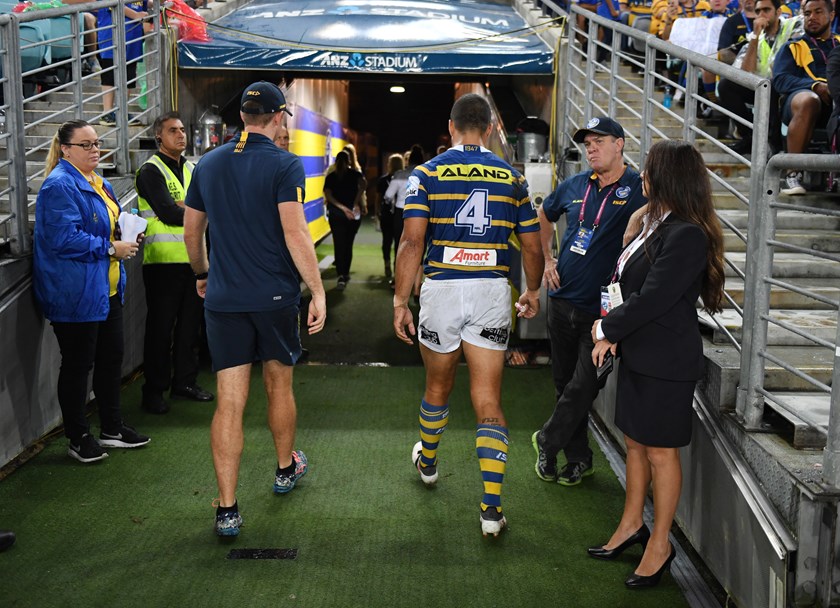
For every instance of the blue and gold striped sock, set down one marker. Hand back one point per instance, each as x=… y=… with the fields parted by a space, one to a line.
x=433 y=419
x=491 y=445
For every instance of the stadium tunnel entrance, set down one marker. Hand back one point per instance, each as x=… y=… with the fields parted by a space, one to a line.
x=337 y=61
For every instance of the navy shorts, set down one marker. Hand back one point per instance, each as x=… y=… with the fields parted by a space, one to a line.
x=238 y=338
x=787 y=112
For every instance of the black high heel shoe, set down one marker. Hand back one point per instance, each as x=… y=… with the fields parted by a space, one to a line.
x=640 y=536
x=637 y=581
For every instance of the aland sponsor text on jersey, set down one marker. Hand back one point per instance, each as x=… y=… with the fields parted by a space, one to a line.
x=473 y=201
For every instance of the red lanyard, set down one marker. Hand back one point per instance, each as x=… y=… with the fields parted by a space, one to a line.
x=603 y=204
x=817 y=46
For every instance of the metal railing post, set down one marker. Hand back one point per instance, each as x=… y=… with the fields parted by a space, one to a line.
x=648 y=85
x=121 y=84
x=759 y=265
x=831 y=456
x=21 y=243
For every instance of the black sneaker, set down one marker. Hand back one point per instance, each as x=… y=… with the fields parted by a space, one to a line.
x=545 y=467
x=126 y=437
x=574 y=472
x=87 y=450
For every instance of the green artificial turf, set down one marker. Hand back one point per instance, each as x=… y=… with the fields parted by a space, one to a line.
x=137 y=528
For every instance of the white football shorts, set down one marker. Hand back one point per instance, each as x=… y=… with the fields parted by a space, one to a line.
x=477 y=311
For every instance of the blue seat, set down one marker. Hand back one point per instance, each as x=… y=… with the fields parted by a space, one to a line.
x=32 y=32
x=61 y=27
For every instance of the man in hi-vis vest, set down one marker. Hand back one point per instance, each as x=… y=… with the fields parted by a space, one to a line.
x=174 y=315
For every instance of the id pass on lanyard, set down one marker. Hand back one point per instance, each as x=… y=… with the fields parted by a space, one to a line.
x=610 y=298
x=583 y=238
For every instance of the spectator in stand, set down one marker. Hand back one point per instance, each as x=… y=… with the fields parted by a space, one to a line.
x=833 y=75
x=637 y=16
x=666 y=12
x=719 y=9
x=89 y=64
x=134 y=13
x=735 y=32
x=733 y=36
x=771 y=32
x=791 y=9
x=385 y=212
x=609 y=9
x=799 y=74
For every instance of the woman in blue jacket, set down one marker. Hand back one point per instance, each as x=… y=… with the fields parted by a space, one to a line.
x=79 y=285
x=653 y=326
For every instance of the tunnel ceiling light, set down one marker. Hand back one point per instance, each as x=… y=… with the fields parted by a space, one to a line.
x=397 y=88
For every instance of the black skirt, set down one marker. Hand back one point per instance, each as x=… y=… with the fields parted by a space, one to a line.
x=653 y=411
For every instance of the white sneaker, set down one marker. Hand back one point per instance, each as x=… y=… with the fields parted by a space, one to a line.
x=492 y=522
x=428 y=475
x=793 y=184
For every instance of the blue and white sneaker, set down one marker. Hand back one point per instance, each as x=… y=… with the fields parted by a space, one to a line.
x=283 y=484
x=228 y=523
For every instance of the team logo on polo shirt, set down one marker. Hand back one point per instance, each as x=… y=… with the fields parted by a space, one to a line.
x=623 y=192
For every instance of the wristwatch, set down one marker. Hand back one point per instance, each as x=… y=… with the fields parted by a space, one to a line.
x=111 y=249
x=201 y=276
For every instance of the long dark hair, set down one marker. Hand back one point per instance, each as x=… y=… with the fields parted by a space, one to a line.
x=677 y=180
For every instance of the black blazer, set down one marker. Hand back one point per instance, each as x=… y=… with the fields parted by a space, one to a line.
x=656 y=327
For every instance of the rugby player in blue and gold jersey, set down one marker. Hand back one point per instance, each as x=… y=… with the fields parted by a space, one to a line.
x=462 y=207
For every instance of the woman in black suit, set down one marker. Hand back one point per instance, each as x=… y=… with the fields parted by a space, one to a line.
x=677 y=257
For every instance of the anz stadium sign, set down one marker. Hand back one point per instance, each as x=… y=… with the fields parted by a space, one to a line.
x=372 y=36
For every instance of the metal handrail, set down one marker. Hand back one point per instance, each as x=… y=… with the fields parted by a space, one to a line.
x=24 y=140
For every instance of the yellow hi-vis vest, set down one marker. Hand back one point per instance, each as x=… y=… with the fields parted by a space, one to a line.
x=164 y=244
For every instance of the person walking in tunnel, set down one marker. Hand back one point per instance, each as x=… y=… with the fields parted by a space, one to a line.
x=385 y=212
x=252 y=193
x=461 y=207
x=343 y=190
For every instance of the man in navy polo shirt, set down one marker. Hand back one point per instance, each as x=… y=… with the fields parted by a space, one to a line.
x=252 y=192
x=598 y=204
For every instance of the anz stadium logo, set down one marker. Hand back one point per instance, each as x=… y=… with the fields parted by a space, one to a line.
x=373 y=62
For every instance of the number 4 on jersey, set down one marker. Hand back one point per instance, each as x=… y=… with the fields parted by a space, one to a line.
x=473 y=213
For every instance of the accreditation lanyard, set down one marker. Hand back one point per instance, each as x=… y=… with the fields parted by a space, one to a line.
x=584 y=235
x=818 y=48
x=747 y=23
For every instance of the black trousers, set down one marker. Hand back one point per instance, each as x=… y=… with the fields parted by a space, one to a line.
x=735 y=98
x=344 y=233
x=575 y=381
x=97 y=345
x=173 y=323
x=386 y=223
